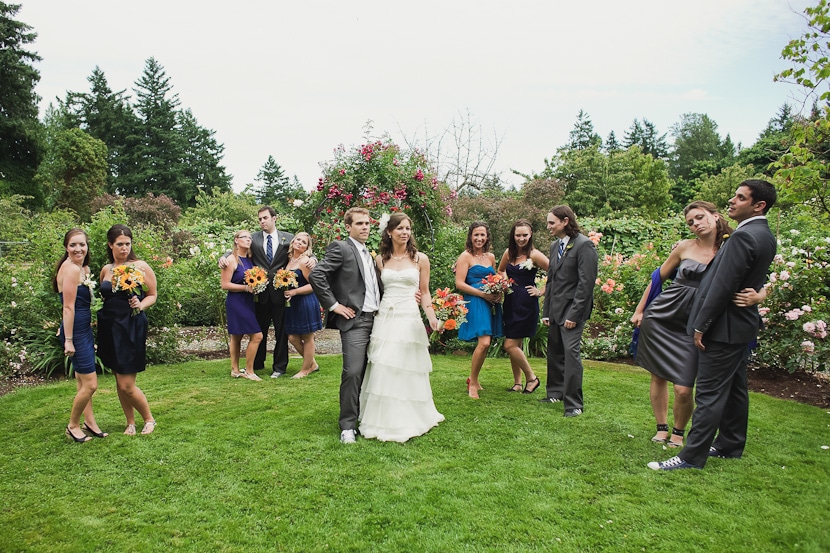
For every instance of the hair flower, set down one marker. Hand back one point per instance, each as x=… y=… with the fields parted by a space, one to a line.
x=384 y=220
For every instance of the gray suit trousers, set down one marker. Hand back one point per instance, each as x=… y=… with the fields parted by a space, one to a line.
x=564 y=379
x=355 y=342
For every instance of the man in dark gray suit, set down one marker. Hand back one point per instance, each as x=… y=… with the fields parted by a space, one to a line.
x=346 y=283
x=569 y=299
x=723 y=331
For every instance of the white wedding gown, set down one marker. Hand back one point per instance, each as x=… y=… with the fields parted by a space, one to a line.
x=396 y=398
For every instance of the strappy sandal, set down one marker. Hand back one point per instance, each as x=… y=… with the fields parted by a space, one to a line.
x=528 y=389
x=237 y=374
x=130 y=430
x=660 y=428
x=87 y=428
x=69 y=434
x=513 y=388
x=149 y=427
x=676 y=432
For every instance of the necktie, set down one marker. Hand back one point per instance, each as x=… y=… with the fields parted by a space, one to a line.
x=561 y=249
x=371 y=285
x=269 y=250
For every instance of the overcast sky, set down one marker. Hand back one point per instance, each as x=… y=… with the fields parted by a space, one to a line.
x=296 y=79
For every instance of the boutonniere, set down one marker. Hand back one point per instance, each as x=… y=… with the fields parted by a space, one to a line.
x=526 y=265
x=570 y=245
x=89 y=283
x=725 y=236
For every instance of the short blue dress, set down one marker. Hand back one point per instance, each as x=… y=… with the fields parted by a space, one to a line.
x=481 y=321
x=303 y=317
x=83 y=362
x=239 y=306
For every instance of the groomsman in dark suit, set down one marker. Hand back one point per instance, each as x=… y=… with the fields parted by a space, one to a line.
x=723 y=331
x=569 y=299
x=347 y=284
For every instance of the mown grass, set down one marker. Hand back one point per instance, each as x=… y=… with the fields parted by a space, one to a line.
x=243 y=466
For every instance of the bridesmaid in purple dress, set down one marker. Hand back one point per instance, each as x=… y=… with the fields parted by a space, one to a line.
x=520 y=262
x=240 y=305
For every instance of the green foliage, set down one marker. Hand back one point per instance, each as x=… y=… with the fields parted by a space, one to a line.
x=382 y=178
x=645 y=136
x=276 y=189
x=146 y=211
x=583 y=136
x=14 y=224
x=217 y=211
x=20 y=130
x=74 y=169
x=500 y=214
x=719 y=188
x=698 y=150
x=802 y=175
x=809 y=54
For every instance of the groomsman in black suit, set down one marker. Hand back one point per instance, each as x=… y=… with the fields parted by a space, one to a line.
x=569 y=300
x=723 y=331
x=347 y=284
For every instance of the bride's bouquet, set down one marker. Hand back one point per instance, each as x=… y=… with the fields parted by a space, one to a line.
x=130 y=279
x=257 y=279
x=497 y=284
x=449 y=310
x=285 y=279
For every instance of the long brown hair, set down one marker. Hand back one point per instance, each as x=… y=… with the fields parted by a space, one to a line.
x=112 y=235
x=563 y=211
x=512 y=247
x=723 y=229
x=66 y=238
x=386 y=240
x=474 y=225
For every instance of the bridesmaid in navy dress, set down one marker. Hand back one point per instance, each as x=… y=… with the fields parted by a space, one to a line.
x=239 y=305
x=72 y=283
x=520 y=262
x=484 y=310
x=122 y=333
x=302 y=318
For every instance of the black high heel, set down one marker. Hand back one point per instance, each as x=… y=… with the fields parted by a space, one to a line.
x=528 y=390
x=94 y=433
x=77 y=439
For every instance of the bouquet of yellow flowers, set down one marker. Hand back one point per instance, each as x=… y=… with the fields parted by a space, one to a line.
x=449 y=310
x=130 y=279
x=257 y=279
x=285 y=279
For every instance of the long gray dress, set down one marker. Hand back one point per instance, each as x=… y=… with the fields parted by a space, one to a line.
x=665 y=349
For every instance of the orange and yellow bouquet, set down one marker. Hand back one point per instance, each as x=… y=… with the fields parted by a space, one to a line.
x=449 y=310
x=130 y=279
x=285 y=279
x=497 y=284
x=257 y=279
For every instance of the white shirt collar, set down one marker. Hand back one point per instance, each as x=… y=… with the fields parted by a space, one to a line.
x=745 y=221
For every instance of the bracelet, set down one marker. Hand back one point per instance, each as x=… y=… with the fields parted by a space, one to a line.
x=67 y=339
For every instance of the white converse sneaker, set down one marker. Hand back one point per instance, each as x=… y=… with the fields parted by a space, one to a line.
x=347 y=437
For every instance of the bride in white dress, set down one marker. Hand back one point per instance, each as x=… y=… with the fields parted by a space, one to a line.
x=396 y=398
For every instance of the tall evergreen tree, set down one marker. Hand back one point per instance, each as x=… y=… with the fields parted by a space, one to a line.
x=20 y=130
x=583 y=135
x=276 y=189
x=698 y=150
x=611 y=143
x=202 y=157
x=645 y=136
x=156 y=160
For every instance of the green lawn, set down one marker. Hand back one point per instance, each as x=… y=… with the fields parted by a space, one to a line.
x=248 y=466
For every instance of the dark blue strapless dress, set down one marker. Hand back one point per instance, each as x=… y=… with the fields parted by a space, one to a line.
x=480 y=318
x=239 y=306
x=84 y=359
x=303 y=317
x=521 y=310
x=122 y=336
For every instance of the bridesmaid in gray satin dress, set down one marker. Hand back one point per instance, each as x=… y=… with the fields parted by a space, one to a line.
x=665 y=350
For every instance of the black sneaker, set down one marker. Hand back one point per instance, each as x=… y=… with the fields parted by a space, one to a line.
x=550 y=400
x=675 y=463
x=715 y=452
x=573 y=412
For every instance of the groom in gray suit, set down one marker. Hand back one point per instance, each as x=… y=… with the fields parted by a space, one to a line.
x=569 y=299
x=347 y=284
x=723 y=331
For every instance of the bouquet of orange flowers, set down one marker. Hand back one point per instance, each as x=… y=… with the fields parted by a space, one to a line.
x=257 y=279
x=285 y=279
x=449 y=310
x=130 y=279
x=496 y=284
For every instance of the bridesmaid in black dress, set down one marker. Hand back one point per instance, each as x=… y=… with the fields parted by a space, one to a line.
x=520 y=262
x=239 y=306
x=122 y=335
x=303 y=318
x=72 y=282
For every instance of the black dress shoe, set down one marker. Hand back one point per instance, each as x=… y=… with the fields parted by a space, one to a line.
x=572 y=412
x=715 y=452
x=550 y=400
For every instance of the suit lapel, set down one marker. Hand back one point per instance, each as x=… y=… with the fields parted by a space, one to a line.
x=358 y=258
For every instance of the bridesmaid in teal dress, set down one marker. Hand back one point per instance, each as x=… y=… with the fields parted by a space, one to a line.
x=484 y=310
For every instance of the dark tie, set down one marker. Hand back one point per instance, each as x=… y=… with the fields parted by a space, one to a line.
x=561 y=249
x=269 y=250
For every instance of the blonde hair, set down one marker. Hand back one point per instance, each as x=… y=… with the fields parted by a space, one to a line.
x=291 y=245
x=236 y=235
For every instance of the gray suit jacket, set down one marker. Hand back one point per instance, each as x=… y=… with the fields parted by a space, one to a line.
x=339 y=278
x=279 y=261
x=742 y=262
x=569 y=292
